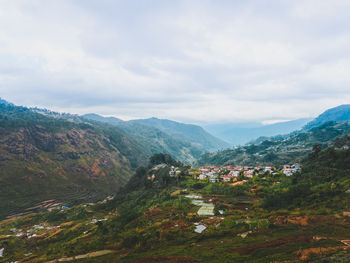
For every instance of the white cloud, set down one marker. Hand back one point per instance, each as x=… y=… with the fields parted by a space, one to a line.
x=185 y=60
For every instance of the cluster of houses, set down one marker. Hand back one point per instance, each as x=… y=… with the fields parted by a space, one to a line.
x=230 y=173
x=291 y=169
x=174 y=171
x=35 y=231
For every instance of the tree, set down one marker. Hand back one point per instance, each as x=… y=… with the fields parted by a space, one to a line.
x=159 y=158
x=316 y=149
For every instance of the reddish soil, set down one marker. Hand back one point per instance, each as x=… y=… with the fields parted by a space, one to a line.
x=346 y=213
x=167 y=259
x=211 y=221
x=177 y=192
x=238 y=183
x=306 y=253
x=269 y=244
x=297 y=220
x=59 y=170
x=95 y=168
x=303 y=220
x=153 y=213
x=176 y=224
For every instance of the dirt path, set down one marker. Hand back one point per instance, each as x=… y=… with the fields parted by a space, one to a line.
x=88 y=255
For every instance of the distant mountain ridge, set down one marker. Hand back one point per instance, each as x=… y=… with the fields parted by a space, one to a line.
x=339 y=113
x=185 y=142
x=276 y=151
x=153 y=140
x=96 y=117
x=4 y=102
x=242 y=133
x=189 y=132
x=328 y=126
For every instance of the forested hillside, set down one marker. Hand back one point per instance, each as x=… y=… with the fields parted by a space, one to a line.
x=339 y=113
x=44 y=157
x=155 y=139
x=279 y=150
x=185 y=132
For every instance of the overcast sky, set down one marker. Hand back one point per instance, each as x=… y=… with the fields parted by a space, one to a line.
x=193 y=61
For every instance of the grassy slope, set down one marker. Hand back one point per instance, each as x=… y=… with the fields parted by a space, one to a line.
x=153 y=223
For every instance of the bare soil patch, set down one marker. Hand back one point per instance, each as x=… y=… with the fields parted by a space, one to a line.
x=269 y=244
x=167 y=259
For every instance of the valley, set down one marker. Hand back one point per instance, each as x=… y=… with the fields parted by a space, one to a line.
x=167 y=212
x=45 y=155
x=89 y=189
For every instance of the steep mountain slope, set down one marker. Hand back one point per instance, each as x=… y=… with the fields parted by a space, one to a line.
x=157 y=141
x=242 y=133
x=340 y=113
x=279 y=151
x=189 y=132
x=154 y=140
x=44 y=157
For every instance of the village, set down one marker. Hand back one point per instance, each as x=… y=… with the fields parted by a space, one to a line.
x=231 y=173
x=234 y=175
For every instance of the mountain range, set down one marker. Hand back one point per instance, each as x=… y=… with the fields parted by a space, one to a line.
x=287 y=148
x=69 y=159
x=189 y=132
x=242 y=133
x=185 y=142
x=278 y=151
x=340 y=113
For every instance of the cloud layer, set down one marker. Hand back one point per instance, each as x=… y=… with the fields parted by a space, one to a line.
x=194 y=61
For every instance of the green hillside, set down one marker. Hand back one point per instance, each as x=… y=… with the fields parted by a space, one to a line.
x=268 y=218
x=339 y=113
x=44 y=157
x=155 y=140
x=188 y=132
x=278 y=150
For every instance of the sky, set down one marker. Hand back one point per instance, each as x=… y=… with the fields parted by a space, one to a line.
x=192 y=61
